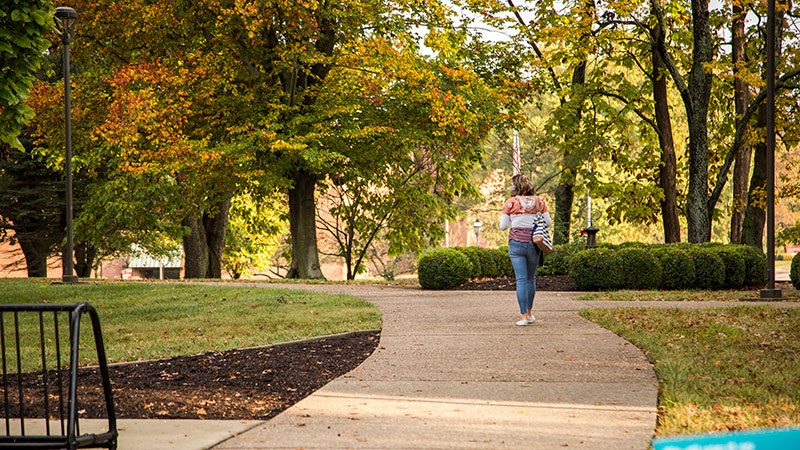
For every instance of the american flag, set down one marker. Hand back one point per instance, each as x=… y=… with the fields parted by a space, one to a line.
x=516 y=153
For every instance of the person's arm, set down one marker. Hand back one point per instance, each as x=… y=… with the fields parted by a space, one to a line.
x=545 y=212
x=505 y=218
x=547 y=219
x=505 y=221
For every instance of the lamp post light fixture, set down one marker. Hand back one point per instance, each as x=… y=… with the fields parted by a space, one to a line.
x=65 y=21
x=477 y=227
x=590 y=231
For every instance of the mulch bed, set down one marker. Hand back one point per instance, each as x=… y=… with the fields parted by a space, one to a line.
x=543 y=283
x=236 y=384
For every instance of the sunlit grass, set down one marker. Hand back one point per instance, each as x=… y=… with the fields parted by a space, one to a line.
x=156 y=320
x=718 y=369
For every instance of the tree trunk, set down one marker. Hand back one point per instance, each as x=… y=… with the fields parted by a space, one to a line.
x=216 y=226
x=203 y=245
x=303 y=226
x=565 y=193
x=666 y=173
x=699 y=92
x=755 y=214
x=36 y=252
x=741 y=169
x=85 y=254
x=194 y=248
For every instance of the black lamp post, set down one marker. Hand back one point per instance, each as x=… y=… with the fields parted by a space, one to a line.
x=770 y=291
x=590 y=230
x=65 y=21
x=477 y=227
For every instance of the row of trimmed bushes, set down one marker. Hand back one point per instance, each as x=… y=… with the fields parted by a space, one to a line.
x=673 y=266
x=624 y=266
x=446 y=268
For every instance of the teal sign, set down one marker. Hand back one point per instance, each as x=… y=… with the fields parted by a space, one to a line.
x=771 y=439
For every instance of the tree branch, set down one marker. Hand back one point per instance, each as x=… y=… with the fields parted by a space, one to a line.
x=552 y=72
x=722 y=176
x=641 y=115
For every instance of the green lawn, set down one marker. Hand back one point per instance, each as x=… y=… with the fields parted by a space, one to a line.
x=142 y=320
x=683 y=295
x=718 y=369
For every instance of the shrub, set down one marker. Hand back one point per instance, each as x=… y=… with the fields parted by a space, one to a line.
x=755 y=265
x=443 y=268
x=596 y=268
x=794 y=272
x=734 y=266
x=677 y=267
x=708 y=267
x=504 y=262
x=472 y=254
x=557 y=263
x=634 y=244
x=639 y=268
x=489 y=263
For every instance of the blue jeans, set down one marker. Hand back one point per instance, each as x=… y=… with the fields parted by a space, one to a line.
x=525 y=259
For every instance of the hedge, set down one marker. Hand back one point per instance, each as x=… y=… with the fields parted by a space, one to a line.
x=755 y=265
x=735 y=269
x=506 y=268
x=639 y=268
x=557 y=263
x=709 y=268
x=443 y=268
x=677 y=267
x=472 y=254
x=794 y=272
x=596 y=269
x=626 y=266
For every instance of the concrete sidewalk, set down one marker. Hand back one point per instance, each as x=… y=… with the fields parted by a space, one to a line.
x=453 y=371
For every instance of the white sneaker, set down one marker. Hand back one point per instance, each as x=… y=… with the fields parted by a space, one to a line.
x=522 y=323
x=531 y=319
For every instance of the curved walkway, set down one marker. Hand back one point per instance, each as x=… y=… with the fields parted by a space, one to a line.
x=453 y=371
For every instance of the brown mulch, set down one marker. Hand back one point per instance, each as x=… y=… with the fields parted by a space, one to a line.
x=237 y=384
x=543 y=283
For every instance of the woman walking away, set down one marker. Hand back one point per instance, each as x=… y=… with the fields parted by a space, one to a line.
x=519 y=213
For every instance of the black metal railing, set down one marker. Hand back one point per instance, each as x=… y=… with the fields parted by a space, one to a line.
x=31 y=397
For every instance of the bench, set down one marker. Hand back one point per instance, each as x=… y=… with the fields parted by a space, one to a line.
x=39 y=387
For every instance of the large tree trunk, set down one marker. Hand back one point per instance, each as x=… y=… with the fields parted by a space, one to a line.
x=303 y=226
x=741 y=169
x=85 y=254
x=755 y=214
x=216 y=226
x=699 y=92
x=565 y=193
x=203 y=245
x=194 y=248
x=666 y=173
x=36 y=252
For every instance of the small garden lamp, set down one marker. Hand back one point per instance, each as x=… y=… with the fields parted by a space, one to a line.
x=65 y=21
x=477 y=227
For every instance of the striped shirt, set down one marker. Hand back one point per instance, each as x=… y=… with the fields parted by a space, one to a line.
x=519 y=213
